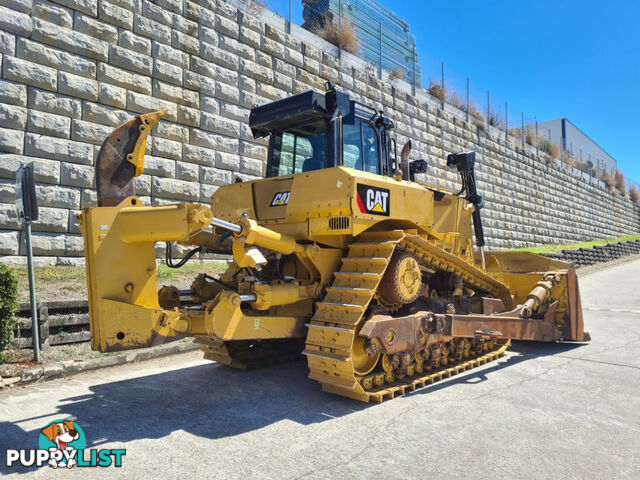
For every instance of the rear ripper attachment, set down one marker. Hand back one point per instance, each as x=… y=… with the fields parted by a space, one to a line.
x=121 y=159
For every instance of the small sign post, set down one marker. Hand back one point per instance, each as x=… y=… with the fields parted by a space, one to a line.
x=27 y=206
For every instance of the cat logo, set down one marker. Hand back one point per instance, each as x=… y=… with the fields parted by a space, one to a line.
x=373 y=200
x=280 y=199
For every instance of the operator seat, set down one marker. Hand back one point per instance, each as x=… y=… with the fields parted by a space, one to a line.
x=312 y=163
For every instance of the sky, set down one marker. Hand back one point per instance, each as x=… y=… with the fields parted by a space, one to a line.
x=547 y=59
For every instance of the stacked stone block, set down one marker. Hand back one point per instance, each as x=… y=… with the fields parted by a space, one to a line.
x=72 y=70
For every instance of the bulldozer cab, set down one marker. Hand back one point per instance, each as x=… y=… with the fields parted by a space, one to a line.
x=313 y=131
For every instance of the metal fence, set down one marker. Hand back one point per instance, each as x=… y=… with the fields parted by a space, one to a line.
x=368 y=30
x=384 y=41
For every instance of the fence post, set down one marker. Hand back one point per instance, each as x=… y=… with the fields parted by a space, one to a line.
x=340 y=27
x=444 y=96
x=289 y=22
x=467 y=99
x=413 y=84
x=380 y=52
x=506 y=123
x=488 y=108
x=35 y=326
x=523 y=139
x=536 y=140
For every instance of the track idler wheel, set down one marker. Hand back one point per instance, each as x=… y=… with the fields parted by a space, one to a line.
x=401 y=281
x=364 y=355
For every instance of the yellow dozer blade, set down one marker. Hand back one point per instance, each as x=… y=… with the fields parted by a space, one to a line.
x=521 y=270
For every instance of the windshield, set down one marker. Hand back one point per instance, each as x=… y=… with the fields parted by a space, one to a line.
x=360 y=146
x=299 y=149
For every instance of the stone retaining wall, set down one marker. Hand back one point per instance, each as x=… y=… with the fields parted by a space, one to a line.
x=71 y=70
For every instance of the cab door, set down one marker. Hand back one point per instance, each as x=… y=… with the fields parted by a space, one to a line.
x=361 y=146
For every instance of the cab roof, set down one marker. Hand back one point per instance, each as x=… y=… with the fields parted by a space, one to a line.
x=296 y=110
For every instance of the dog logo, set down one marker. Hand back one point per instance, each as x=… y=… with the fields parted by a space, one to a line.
x=280 y=199
x=62 y=443
x=373 y=200
x=64 y=436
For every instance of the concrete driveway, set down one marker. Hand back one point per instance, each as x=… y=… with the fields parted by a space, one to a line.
x=544 y=411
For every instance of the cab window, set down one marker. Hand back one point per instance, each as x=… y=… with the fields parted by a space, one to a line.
x=360 y=146
x=300 y=149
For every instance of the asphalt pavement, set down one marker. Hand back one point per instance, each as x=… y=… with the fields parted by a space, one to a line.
x=544 y=411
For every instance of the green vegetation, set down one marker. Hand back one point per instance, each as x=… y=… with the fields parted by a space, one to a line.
x=575 y=246
x=548 y=147
x=191 y=269
x=8 y=305
x=52 y=283
x=69 y=283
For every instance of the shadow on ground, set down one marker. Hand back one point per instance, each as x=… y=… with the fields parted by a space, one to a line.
x=523 y=351
x=213 y=401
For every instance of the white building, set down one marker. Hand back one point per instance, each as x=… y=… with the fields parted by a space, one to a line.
x=574 y=141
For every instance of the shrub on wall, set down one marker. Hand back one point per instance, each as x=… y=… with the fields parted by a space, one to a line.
x=608 y=179
x=396 y=74
x=634 y=193
x=495 y=118
x=530 y=138
x=548 y=147
x=568 y=160
x=620 y=183
x=8 y=305
x=454 y=99
x=342 y=34
x=480 y=121
x=438 y=91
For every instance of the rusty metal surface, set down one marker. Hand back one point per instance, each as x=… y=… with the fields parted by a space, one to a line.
x=396 y=335
x=509 y=327
x=575 y=307
x=492 y=305
x=404 y=160
x=413 y=332
x=114 y=174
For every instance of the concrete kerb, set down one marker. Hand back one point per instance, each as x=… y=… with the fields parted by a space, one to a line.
x=13 y=375
x=587 y=270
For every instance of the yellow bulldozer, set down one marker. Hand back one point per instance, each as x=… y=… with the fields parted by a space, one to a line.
x=340 y=253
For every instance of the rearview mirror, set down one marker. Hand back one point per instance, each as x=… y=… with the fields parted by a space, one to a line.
x=417 y=166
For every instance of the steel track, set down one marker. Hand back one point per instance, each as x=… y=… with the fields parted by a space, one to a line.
x=336 y=323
